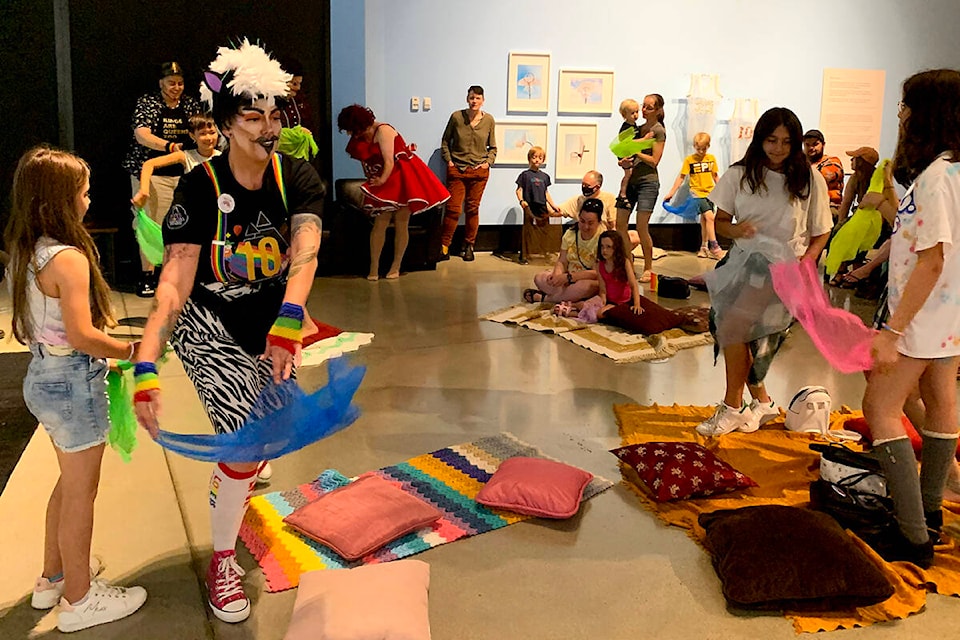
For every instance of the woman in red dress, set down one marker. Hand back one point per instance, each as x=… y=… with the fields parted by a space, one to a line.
x=398 y=184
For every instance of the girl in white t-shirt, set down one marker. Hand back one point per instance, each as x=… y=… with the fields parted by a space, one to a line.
x=919 y=344
x=782 y=212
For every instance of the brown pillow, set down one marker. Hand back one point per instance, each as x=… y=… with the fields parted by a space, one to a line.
x=773 y=557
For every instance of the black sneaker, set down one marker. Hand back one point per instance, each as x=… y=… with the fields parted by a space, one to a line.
x=934 y=524
x=467 y=253
x=523 y=260
x=893 y=546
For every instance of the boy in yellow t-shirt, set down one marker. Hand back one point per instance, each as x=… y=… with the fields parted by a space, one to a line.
x=702 y=169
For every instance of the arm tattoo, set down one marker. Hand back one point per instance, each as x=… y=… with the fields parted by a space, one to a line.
x=301 y=222
x=310 y=224
x=302 y=259
x=166 y=329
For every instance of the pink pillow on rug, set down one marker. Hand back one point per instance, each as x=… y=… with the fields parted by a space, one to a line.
x=680 y=470
x=387 y=600
x=361 y=517
x=535 y=487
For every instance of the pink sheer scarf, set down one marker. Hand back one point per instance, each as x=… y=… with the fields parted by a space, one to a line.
x=839 y=335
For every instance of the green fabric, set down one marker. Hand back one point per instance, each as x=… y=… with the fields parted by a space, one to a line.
x=123 y=423
x=860 y=232
x=297 y=142
x=624 y=145
x=149 y=236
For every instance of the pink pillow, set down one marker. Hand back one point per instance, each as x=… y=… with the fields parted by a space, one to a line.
x=386 y=601
x=361 y=517
x=535 y=487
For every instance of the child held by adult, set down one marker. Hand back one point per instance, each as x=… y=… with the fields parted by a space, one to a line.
x=61 y=305
x=783 y=213
x=538 y=207
x=643 y=184
x=630 y=111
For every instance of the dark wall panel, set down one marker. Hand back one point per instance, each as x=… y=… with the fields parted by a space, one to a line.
x=28 y=84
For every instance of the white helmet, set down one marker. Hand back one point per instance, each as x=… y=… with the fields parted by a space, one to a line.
x=809 y=410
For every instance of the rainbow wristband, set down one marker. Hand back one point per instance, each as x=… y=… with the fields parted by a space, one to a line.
x=146 y=380
x=286 y=331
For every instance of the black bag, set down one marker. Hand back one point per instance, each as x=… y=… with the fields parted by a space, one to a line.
x=853 y=491
x=673 y=287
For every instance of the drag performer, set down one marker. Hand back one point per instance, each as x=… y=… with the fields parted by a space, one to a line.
x=241 y=243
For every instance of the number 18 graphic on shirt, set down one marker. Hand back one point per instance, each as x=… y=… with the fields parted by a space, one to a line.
x=260 y=254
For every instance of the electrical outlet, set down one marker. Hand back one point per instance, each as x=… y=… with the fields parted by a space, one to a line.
x=426 y=103
x=414 y=103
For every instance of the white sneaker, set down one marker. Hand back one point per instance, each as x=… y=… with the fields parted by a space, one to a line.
x=265 y=473
x=47 y=594
x=725 y=419
x=761 y=413
x=703 y=252
x=104 y=603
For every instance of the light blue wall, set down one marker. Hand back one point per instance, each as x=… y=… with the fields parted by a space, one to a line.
x=774 y=50
x=347 y=62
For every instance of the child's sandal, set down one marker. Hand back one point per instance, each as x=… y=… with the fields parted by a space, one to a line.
x=529 y=296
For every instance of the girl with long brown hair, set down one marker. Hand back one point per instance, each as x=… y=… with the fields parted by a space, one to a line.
x=60 y=307
x=918 y=345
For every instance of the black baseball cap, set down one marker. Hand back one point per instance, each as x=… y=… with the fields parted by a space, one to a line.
x=815 y=133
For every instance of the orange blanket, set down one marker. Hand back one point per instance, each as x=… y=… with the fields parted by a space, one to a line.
x=783 y=466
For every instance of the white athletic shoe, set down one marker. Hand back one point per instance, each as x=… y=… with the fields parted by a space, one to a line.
x=725 y=419
x=265 y=473
x=761 y=413
x=104 y=603
x=47 y=594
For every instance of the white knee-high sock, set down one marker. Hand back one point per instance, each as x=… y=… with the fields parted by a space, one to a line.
x=230 y=492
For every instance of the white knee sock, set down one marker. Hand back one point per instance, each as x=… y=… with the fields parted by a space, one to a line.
x=230 y=492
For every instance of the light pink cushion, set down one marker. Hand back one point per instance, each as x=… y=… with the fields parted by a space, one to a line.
x=535 y=487
x=361 y=517
x=385 y=601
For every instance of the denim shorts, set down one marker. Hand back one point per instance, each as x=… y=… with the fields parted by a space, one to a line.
x=68 y=395
x=643 y=194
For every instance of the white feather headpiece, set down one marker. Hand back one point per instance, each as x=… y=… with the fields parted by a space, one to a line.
x=248 y=71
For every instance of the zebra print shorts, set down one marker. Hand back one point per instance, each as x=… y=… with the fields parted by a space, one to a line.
x=227 y=378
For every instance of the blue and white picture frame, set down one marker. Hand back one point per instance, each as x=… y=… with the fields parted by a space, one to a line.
x=528 y=83
x=585 y=92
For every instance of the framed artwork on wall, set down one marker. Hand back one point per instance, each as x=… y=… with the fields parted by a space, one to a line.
x=528 y=82
x=584 y=91
x=576 y=150
x=515 y=139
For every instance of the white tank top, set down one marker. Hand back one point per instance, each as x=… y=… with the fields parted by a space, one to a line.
x=46 y=316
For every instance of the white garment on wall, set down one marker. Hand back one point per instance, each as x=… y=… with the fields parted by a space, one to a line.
x=745 y=116
x=702 y=101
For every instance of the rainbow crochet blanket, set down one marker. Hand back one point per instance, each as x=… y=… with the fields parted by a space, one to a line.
x=449 y=479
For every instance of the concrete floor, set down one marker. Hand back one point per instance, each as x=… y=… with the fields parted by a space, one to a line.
x=438 y=376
